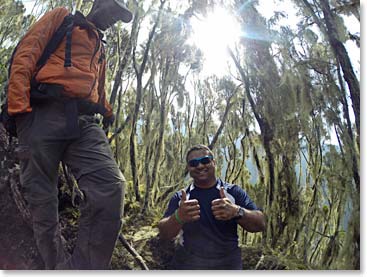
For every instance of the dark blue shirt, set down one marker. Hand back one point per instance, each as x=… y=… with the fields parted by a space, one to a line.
x=208 y=237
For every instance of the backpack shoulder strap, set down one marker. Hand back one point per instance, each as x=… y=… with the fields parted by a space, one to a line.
x=64 y=29
x=188 y=189
x=69 y=28
x=51 y=46
x=225 y=186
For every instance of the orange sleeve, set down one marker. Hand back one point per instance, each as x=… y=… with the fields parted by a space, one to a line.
x=101 y=90
x=28 y=53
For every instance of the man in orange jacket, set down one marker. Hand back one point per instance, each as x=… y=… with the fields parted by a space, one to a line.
x=54 y=129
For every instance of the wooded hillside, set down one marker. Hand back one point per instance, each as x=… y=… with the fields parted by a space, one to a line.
x=284 y=124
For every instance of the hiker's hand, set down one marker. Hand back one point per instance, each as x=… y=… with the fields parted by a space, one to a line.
x=108 y=121
x=189 y=210
x=223 y=208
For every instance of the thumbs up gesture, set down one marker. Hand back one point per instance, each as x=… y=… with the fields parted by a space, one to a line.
x=221 y=192
x=189 y=210
x=223 y=208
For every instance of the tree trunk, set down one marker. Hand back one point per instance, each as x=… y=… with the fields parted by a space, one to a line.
x=267 y=137
x=341 y=55
x=139 y=70
x=224 y=119
x=125 y=60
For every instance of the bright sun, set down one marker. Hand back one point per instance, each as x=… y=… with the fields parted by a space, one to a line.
x=212 y=35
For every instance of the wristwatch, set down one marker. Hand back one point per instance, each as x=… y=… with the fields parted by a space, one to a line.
x=240 y=213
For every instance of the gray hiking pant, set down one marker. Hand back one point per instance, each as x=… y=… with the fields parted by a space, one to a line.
x=44 y=141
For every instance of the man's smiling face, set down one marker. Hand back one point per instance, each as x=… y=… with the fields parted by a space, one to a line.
x=204 y=171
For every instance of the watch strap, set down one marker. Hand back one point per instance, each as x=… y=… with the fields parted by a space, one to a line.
x=240 y=213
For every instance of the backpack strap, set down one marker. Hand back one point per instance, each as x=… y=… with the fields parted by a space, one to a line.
x=188 y=189
x=65 y=30
x=65 y=27
x=69 y=29
x=53 y=43
x=219 y=184
x=225 y=186
x=83 y=23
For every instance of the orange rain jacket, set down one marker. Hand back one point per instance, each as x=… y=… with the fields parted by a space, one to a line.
x=84 y=79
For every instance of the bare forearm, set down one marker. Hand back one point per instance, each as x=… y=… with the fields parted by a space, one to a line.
x=169 y=228
x=252 y=221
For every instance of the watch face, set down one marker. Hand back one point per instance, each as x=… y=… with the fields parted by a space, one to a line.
x=241 y=212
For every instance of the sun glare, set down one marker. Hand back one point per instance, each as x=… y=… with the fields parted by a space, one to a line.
x=212 y=35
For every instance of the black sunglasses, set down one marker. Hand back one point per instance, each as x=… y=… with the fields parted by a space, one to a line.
x=202 y=160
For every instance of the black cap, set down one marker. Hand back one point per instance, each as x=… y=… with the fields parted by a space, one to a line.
x=126 y=14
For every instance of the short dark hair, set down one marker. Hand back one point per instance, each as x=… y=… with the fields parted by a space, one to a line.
x=198 y=147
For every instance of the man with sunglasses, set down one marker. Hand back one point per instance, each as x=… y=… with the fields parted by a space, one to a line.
x=205 y=215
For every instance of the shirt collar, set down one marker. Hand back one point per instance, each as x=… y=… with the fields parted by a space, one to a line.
x=219 y=183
